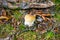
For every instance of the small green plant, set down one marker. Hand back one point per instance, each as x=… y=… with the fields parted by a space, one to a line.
x=49 y=35
x=21 y=27
x=17 y=15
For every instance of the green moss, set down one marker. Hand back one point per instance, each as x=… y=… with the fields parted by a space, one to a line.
x=30 y=35
x=49 y=35
x=21 y=27
x=5 y=30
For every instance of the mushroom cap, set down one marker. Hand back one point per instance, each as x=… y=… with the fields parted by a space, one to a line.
x=29 y=18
